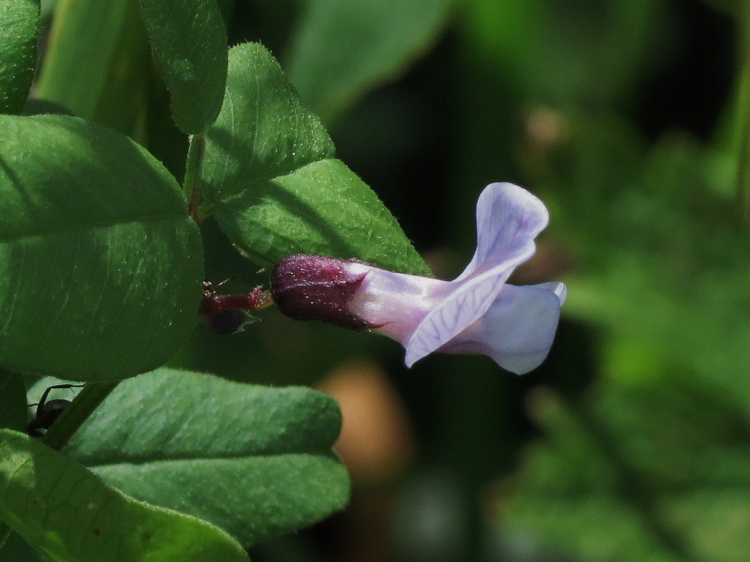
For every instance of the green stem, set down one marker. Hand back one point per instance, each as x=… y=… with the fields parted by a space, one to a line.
x=743 y=120
x=193 y=168
x=77 y=412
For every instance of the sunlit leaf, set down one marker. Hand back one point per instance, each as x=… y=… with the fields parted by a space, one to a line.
x=254 y=460
x=273 y=185
x=64 y=510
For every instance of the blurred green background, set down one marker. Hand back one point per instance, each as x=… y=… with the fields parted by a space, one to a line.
x=632 y=441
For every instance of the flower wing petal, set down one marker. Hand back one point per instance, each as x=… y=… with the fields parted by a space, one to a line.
x=466 y=304
x=506 y=214
x=518 y=329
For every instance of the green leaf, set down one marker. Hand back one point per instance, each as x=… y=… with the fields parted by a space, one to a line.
x=253 y=460
x=101 y=266
x=97 y=62
x=189 y=43
x=12 y=401
x=272 y=183
x=345 y=47
x=19 y=20
x=62 y=509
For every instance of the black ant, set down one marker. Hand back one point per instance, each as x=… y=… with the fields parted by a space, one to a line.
x=48 y=412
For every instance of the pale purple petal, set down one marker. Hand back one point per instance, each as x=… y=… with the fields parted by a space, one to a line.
x=467 y=303
x=395 y=303
x=506 y=214
x=518 y=329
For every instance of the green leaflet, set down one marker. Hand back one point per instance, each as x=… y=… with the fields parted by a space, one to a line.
x=272 y=184
x=100 y=266
x=19 y=21
x=62 y=509
x=254 y=460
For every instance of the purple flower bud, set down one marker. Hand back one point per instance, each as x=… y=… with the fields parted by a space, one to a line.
x=317 y=288
x=475 y=313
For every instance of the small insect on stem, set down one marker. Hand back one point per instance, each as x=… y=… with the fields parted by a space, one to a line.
x=48 y=412
x=229 y=314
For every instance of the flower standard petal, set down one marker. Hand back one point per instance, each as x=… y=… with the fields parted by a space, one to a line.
x=508 y=220
x=505 y=213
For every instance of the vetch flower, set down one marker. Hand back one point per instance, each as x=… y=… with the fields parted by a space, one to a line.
x=475 y=313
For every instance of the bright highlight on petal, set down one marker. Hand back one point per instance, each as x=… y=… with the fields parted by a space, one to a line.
x=475 y=313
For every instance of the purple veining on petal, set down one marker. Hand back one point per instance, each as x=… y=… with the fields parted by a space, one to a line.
x=467 y=303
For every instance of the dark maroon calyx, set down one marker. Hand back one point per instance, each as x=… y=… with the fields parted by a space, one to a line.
x=308 y=287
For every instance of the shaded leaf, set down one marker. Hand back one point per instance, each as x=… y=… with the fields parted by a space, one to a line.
x=273 y=185
x=19 y=20
x=62 y=509
x=345 y=47
x=12 y=401
x=189 y=43
x=254 y=460
x=101 y=265
x=15 y=549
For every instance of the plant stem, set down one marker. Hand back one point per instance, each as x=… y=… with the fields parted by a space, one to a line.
x=77 y=412
x=193 y=167
x=743 y=120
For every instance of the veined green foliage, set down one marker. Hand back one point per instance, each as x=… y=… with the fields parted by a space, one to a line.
x=67 y=512
x=19 y=21
x=100 y=265
x=272 y=184
x=254 y=460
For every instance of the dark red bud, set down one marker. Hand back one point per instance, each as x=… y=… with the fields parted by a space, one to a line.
x=317 y=288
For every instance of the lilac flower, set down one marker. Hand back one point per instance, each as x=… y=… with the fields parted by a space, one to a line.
x=475 y=313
